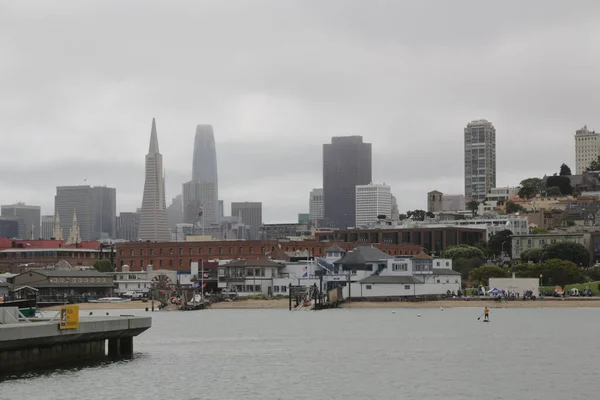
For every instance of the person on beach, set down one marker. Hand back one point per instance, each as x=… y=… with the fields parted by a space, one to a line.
x=486 y=314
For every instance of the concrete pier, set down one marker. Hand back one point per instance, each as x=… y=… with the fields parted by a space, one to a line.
x=33 y=345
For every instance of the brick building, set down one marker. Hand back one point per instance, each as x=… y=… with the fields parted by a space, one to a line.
x=180 y=255
x=432 y=239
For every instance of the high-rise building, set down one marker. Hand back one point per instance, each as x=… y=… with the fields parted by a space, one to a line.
x=346 y=164
x=128 y=224
x=251 y=214
x=480 y=159
x=175 y=212
x=221 y=209
x=395 y=210
x=96 y=209
x=316 y=206
x=29 y=216
x=201 y=194
x=47 y=227
x=372 y=200
x=587 y=149
x=153 y=215
x=9 y=227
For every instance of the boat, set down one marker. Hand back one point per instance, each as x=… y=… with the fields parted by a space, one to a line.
x=109 y=300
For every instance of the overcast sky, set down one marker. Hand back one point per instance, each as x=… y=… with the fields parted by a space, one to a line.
x=81 y=80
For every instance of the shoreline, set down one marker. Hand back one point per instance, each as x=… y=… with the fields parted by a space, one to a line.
x=283 y=304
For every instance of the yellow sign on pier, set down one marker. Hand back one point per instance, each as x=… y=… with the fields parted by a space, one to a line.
x=69 y=317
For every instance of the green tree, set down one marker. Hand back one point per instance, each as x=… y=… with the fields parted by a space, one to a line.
x=473 y=206
x=533 y=255
x=484 y=248
x=103 y=266
x=512 y=207
x=402 y=217
x=501 y=241
x=523 y=270
x=463 y=251
x=563 y=183
x=481 y=275
x=559 y=272
x=419 y=215
x=594 y=165
x=529 y=187
x=565 y=170
x=568 y=251
x=553 y=191
x=538 y=230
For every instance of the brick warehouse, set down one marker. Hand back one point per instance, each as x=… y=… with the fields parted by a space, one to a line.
x=180 y=255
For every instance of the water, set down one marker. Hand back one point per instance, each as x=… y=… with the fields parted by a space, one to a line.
x=347 y=354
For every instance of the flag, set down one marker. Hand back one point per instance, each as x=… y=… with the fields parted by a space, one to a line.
x=305 y=274
x=201 y=210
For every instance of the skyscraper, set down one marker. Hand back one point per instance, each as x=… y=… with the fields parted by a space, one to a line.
x=315 y=205
x=251 y=214
x=96 y=209
x=372 y=200
x=47 y=231
x=480 y=159
x=346 y=164
x=202 y=192
x=153 y=215
x=587 y=148
x=30 y=217
x=127 y=226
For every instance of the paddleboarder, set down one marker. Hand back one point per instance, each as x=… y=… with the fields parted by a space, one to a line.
x=486 y=314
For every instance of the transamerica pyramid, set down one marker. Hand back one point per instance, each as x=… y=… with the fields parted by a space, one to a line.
x=153 y=216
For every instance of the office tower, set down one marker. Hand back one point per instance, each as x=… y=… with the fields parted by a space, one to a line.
x=587 y=149
x=96 y=209
x=29 y=216
x=480 y=159
x=251 y=214
x=201 y=194
x=9 y=227
x=153 y=215
x=127 y=226
x=346 y=164
x=315 y=205
x=175 y=212
x=221 y=213
x=47 y=230
x=372 y=200
x=395 y=210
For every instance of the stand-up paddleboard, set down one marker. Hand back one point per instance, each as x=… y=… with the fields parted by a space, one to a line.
x=485 y=320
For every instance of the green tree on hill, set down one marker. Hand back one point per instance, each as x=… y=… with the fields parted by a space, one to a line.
x=568 y=251
x=565 y=170
x=481 y=275
x=529 y=188
x=501 y=241
x=563 y=183
x=512 y=208
x=533 y=255
x=464 y=258
x=103 y=266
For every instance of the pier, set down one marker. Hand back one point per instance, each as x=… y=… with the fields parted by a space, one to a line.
x=37 y=344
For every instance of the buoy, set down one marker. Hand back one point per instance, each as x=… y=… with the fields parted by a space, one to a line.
x=441 y=308
x=393 y=312
x=418 y=315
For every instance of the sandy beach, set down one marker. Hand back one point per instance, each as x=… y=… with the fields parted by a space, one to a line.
x=283 y=304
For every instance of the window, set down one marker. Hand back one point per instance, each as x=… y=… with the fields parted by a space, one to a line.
x=447 y=263
x=368 y=287
x=180 y=262
x=284 y=289
x=142 y=252
x=171 y=263
x=353 y=272
x=160 y=263
x=160 y=251
x=231 y=250
x=131 y=253
x=369 y=267
x=191 y=251
x=210 y=251
x=438 y=263
x=151 y=252
x=249 y=271
x=399 y=267
x=199 y=251
x=220 y=251
x=151 y=262
x=180 y=251
x=241 y=250
x=170 y=252
x=251 y=250
x=406 y=287
x=121 y=253
x=262 y=249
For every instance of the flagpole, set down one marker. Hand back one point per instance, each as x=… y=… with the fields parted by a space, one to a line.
x=202 y=279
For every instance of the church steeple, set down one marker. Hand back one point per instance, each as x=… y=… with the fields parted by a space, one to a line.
x=74 y=236
x=153 y=139
x=57 y=234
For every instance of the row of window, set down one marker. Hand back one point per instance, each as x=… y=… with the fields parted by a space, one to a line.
x=77 y=280
x=151 y=251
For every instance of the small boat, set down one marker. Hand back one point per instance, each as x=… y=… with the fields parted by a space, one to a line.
x=109 y=300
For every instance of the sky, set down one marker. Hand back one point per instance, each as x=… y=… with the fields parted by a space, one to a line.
x=80 y=82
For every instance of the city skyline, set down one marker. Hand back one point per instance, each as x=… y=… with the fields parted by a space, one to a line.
x=266 y=111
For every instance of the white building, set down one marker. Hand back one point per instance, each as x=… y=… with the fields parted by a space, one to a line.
x=182 y=231
x=316 y=206
x=501 y=194
x=141 y=281
x=587 y=149
x=516 y=285
x=453 y=202
x=372 y=200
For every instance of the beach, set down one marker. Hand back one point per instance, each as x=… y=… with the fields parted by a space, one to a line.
x=283 y=304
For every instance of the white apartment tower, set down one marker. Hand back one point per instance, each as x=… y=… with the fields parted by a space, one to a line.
x=372 y=200
x=153 y=215
x=316 y=206
x=587 y=149
x=480 y=159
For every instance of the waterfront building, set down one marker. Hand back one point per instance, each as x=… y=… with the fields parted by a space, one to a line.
x=372 y=200
x=55 y=284
x=587 y=149
x=142 y=281
x=346 y=164
x=249 y=277
x=251 y=214
x=47 y=229
x=480 y=159
x=180 y=255
x=153 y=215
x=316 y=205
x=29 y=219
